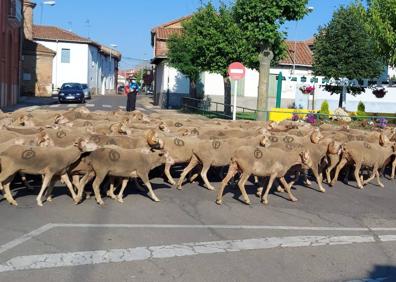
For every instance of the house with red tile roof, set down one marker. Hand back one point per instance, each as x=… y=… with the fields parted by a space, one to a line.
x=76 y=58
x=171 y=85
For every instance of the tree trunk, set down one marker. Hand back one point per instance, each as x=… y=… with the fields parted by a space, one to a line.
x=340 y=101
x=265 y=58
x=227 y=96
x=193 y=89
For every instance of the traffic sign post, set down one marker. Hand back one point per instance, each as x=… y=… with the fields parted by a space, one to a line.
x=236 y=71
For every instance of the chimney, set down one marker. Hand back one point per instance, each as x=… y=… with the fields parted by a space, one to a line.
x=28 y=7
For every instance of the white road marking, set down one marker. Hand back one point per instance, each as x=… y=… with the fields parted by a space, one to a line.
x=54 y=106
x=176 y=250
x=90 y=105
x=122 y=107
x=106 y=106
x=49 y=226
x=72 y=106
x=25 y=237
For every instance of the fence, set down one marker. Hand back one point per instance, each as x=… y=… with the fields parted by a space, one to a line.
x=212 y=109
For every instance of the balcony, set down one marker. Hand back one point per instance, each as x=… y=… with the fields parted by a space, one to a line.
x=15 y=10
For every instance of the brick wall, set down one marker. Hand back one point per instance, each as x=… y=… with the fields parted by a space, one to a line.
x=10 y=55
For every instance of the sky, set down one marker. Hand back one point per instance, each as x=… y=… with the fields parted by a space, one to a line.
x=127 y=23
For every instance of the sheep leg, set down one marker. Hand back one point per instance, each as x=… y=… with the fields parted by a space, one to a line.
x=232 y=170
x=168 y=174
x=24 y=180
x=241 y=184
x=146 y=181
x=256 y=179
x=372 y=176
x=342 y=163
x=393 y=169
x=76 y=181
x=204 y=173
x=120 y=196
x=288 y=189
x=110 y=192
x=7 y=191
x=83 y=182
x=380 y=184
x=69 y=185
x=264 y=199
x=193 y=162
x=48 y=194
x=334 y=159
x=357 y=176
x=46 y=181
x=318 y=177
x=96 y=187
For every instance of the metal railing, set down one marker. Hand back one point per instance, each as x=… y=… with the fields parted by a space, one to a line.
x=214 y=109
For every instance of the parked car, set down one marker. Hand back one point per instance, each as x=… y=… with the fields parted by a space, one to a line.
x=120 y=89
x=71 y=92
x=87 y=91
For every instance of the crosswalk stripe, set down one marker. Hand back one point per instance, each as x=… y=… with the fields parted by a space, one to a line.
x=106 y=106
x=55 y=106
x=90 y=105
x=176 y=250
x=72 y=106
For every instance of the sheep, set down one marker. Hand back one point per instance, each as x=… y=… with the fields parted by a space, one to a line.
x=42 y=161
x=367 y=154
x=125 y=163
x=215 y=153
x=272 y=162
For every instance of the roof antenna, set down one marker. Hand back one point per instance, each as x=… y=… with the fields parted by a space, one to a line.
x=70 y=24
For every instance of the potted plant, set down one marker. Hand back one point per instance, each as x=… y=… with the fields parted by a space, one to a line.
x=379 y=92
x=307 y=89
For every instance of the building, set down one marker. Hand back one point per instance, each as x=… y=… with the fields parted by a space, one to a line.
x=37 y=59
x=11 y=22
x=171 y=85
x=60 y=56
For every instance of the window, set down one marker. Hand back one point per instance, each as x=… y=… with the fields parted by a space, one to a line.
x=15 y=9
x=65 y=57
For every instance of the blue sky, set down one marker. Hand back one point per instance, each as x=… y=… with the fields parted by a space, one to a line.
x=127 y=23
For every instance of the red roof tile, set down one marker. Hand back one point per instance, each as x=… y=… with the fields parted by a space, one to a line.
x=165 y=33
x=303 y=54
x=55 y=33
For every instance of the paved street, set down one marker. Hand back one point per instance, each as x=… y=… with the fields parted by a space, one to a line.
x=343 y=235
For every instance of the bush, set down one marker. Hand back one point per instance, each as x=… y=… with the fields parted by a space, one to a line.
x=324 y=109
x=361 y=110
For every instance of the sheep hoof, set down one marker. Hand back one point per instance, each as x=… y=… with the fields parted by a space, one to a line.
x=101 y=203
x=156 y=199
x=179 y=187
x=323 y=190
x=265 y=202
x=13 y=203
x=172 y=182
x=49 y=199
x=280 y=190
x=120 y=200
x=360 y=187
x=247 y=202
x=293 y=199
x=39 y=203
x=211 y=188
x=381 y=185
x=219 y=202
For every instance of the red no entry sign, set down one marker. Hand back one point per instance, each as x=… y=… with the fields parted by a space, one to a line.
x=236 y=71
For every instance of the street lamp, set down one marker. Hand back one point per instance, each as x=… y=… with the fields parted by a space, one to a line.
x=309 y=9
x=49 y=3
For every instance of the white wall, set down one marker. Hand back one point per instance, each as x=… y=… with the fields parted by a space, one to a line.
x=76 y=70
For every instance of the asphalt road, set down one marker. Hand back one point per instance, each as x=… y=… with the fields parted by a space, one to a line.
x=345 y=234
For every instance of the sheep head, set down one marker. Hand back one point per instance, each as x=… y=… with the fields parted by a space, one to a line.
x=316 y=136
x=61 y=119
x=383 y=140
x=84 y=145
x=42 y=139
x=153 y=141
x=334 y=148
x=163 y=127
x=265 y=142
x=306 y=158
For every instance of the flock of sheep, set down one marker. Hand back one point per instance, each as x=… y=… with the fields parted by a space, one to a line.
x=79 y=147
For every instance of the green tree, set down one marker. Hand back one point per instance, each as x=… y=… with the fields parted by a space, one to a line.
x=260 y=22
x=382 y=19
x=344 y=49
x=324 y=108
x=210 y=42
x=183 y=55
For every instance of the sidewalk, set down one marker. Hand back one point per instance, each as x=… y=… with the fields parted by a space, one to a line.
x=31 y=103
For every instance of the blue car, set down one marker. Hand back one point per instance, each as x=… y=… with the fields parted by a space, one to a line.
x=71 y=92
